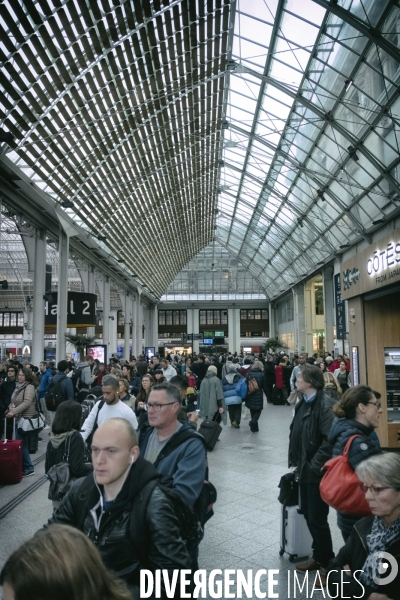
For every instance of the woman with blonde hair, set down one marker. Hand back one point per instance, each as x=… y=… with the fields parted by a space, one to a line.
x=59 y=563
x=332 y=387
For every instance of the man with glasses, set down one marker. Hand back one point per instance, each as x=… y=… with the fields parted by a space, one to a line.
x=173 y=447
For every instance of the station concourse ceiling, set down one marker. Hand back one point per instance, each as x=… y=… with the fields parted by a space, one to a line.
x=269 y=128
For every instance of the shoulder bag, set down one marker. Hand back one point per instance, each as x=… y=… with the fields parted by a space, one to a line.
x=340 y=486
x=34 y=423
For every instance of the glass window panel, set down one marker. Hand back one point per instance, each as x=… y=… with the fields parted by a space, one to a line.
x=175 y=317
x=6 y=320
x=13 y=319
x=203 y=317
x=168 y=317
x=250 y=315
x=183 y=317
x=210 y=317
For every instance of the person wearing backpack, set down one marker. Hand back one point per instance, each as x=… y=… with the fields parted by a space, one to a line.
x=187 y=462
x=105 y=505
x=59 y=390
x=256 y=385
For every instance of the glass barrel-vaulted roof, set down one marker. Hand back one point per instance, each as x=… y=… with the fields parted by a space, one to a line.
x=116 y=106
x=214 y=274
x=310 y=155
x=151 y=115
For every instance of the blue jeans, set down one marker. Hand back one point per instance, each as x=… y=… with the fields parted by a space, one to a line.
x=26 y=457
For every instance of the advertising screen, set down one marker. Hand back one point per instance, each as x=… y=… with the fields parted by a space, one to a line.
x=149 y=352
x=99 y=352
x=208 y=334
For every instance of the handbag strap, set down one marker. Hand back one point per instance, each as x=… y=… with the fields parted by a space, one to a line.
x=348 y=444
x=67 y=448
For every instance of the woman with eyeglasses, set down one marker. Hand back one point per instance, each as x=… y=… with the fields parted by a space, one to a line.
x=141 y=398
x=371 y=554
x=358 y=413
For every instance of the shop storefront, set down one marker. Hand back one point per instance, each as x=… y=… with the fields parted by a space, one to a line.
x=371 y=285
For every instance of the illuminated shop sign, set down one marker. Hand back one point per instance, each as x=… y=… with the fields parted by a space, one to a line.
x=383 y=260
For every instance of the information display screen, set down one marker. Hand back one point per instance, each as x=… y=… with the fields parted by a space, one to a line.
x=99 y=352
x=219 y=334
x=208 y=334
x=208 y=341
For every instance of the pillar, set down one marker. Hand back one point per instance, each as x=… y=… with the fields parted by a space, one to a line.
x=139 y=323
x=273 y=325
x=329 y=307
x=154 y=327
x=112 y=333
x=234 y=330
x=127 y=326
x=195 y=325
x=299 y=318
x=39 y=289
x=106 y=315
x=134 y=326
x=308 y=314
x=62 y=297
x=91 y=288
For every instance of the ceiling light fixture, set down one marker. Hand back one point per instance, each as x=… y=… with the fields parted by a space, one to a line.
x=320 y=194
x=67 y=204
x=225 y=125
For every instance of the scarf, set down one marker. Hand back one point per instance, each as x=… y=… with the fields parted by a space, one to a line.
x=378 y=540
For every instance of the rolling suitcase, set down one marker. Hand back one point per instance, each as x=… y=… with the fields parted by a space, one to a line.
x=210 y=431
x=296 y=539
x=10 y=459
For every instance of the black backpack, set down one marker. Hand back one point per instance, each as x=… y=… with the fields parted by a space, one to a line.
x=55 y=394
x=203 y=507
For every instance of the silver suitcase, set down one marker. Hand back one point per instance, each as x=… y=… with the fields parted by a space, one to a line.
x=296 y=540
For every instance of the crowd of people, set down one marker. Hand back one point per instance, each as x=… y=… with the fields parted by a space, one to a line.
x=128 y=431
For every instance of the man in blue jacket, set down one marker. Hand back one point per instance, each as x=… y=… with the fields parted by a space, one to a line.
x=187 y=463
x=46 y=371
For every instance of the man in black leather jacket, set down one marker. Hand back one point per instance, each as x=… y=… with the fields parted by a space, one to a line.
x=101 y=506
x=309 y=450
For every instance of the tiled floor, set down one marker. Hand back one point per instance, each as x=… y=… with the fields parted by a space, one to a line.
x=245 y=531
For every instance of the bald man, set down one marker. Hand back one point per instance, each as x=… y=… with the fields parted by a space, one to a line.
x=101 y=506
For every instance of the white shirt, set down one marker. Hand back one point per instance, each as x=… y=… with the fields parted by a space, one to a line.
x=108 y=412
x=169 y=373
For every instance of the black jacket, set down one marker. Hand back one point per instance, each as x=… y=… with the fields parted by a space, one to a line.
x=354 y=554
x=111 y=533
x=6 y=390
x=255 y=400
x=79 y=461
x=315 y=449
x=269 y=372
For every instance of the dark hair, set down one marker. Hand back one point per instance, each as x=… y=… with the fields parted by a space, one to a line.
x=171 y=390
x=314 y=376
x=71 y=567
x=62 y=366
x=179 y=381
x=28 y=374
x=13 y=368
x=347 y=405
x=68 y=417
x=142 y=395
x=88 y=357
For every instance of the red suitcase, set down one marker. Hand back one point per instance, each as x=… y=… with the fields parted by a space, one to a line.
x=10 y=460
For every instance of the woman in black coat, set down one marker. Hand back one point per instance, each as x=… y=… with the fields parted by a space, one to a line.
x=65 y=438
x=255 y=401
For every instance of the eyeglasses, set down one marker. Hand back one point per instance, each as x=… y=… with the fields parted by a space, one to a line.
x=375 y=491
x=377 y=404
x=155 y=406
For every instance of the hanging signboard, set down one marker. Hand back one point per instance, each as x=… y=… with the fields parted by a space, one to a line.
x=355 y=365
x=340 y=313
x=81 y=309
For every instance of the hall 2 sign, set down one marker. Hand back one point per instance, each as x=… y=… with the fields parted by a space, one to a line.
x=372 y=268
x=81 y=310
